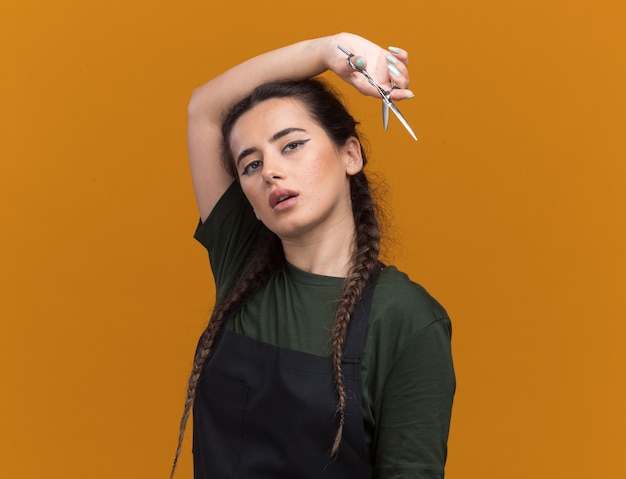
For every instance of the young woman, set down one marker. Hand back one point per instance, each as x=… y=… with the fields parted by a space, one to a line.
x=318 y=361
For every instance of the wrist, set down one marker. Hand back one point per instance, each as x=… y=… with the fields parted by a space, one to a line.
x=334 y=59
x=320 y=52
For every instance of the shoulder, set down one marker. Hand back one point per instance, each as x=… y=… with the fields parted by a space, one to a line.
x=229 y=234
x=403 y=305
x=408 y=375
x=231 y=205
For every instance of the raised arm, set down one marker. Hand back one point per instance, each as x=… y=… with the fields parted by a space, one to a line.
x=294 y=62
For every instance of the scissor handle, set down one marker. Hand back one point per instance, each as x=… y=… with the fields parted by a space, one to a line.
x=350 y=55
x=385 y=94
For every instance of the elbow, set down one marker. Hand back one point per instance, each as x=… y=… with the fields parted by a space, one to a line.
x=195 y=105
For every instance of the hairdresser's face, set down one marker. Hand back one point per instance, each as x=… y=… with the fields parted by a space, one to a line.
x=295 y=177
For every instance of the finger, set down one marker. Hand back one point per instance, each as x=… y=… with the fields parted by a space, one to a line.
x=401 y=94
x=359 y=62
x=400 y=54
x=399 y=73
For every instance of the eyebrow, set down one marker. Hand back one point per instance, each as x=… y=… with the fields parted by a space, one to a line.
x=275 y=137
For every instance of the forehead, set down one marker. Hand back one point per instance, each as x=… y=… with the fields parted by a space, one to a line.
x=268 y=117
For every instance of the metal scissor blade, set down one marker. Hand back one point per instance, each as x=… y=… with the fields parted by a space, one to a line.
x=385 y=114
x=401 y=118
x=386 y=95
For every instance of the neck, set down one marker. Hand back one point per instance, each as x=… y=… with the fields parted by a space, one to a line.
x=327 y=253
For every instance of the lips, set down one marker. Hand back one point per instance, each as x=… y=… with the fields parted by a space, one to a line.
x=281 y=196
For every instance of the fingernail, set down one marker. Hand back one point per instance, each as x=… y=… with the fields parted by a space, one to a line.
x=391 y=59
x=394 y=71
x=394 y=50
x=359 y=62
x=410 y=96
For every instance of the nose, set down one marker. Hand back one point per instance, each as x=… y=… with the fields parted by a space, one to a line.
x=273 y=168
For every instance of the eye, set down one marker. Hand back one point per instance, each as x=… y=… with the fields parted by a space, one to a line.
x=294 y=146
x=252 y=167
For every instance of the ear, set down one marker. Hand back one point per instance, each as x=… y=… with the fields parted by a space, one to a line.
x=352 y=156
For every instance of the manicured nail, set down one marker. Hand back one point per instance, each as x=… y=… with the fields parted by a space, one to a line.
x=394 y=71
x=394 y=50
x=360 y=62
x=391 y=59
x=410 y=96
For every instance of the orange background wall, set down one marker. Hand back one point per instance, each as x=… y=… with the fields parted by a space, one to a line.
x=510 y=210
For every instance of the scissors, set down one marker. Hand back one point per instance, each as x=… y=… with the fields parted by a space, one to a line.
x=385 y=94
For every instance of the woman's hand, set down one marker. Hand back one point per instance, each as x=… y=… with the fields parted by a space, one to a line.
x=386 y=67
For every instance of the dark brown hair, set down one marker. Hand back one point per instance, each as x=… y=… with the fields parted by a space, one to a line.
x=328 y=111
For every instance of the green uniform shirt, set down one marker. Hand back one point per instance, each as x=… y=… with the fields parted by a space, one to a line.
x=407 y=371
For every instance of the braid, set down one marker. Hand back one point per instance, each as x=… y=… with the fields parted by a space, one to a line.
x=364 y=265
x=326 y=108
x=265 y=263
